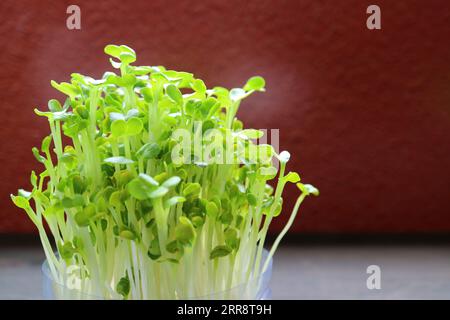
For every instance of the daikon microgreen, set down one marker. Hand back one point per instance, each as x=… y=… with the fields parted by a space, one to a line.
x=135 y=223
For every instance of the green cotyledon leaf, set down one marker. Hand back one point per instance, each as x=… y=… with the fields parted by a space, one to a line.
x=256 y=83
x=123 y=286
x=174 y=93
x=149 y=151
x=184 y=230
x=118 y=160
x=220 y=251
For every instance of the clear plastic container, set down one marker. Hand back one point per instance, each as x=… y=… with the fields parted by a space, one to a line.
x=256 y=289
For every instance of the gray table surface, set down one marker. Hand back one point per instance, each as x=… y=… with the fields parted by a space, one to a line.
x=299 y=272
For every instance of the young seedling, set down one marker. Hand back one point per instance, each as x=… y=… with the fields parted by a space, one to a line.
x=135 y=223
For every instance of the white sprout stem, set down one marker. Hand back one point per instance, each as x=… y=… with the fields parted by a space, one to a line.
x=284 y=231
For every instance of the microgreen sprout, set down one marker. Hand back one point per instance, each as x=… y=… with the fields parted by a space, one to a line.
x=134 y=222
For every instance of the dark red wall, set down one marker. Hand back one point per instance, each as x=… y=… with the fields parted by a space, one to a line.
x=365 y=114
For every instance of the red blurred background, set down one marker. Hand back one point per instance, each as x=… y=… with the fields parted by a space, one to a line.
x=365 y=114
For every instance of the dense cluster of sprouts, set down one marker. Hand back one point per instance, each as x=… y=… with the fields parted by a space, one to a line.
x=131 y=222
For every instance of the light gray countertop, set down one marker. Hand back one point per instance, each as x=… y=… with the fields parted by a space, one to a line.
x=299 y=272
